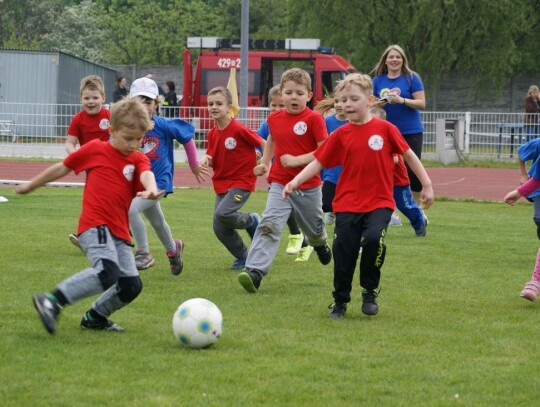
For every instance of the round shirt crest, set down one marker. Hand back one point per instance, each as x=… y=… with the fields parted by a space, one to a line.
x=128 y=171
x=104 y=124
x=230 y=143
x=300 y=128
x=376 y=142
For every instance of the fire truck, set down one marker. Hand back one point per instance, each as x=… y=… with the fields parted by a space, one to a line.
x=216 y=57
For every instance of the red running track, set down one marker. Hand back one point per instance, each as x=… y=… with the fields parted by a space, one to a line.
x=474 y=183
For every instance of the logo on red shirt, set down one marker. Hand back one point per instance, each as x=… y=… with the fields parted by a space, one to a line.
x=128 y=172
x=104 y=124
x=376 y=142
x=230 y=143
x=300 y=128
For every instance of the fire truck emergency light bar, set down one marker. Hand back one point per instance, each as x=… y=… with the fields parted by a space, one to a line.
x=303 y=44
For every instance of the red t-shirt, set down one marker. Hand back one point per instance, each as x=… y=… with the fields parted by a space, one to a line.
x=295 y=134
x=401 y=177
x=87 y=128
x=112 y=179
x=366 y=153
x=233 y=156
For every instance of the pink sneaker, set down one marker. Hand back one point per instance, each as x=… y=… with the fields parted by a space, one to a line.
x=530 y=291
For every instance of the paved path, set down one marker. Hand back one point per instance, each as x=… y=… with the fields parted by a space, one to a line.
x=474 y=183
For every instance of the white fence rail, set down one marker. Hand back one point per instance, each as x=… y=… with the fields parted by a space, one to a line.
x=39 y=130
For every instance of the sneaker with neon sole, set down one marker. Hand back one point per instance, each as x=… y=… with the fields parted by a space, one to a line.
x=295 y=243
x=304 y=253
x=250 y=280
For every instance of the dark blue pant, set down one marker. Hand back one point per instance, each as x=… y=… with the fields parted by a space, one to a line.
x=353 y=230
x=408 y=206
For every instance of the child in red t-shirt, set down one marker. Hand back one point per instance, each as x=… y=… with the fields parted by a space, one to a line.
x=295 y=132
x=232 y=156
x=90 y=123
x=116 y=173
x=364 y=195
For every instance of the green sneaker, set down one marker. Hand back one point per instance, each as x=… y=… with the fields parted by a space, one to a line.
x=304 y=253
x=250 y=280
x=295 y=243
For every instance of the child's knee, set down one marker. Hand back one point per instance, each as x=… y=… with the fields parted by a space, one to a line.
x=130 y=288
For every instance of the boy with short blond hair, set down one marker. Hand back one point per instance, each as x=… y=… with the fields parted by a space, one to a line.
x=116 y=172
x=295 y=132
x=364 y=195
x=231 y=154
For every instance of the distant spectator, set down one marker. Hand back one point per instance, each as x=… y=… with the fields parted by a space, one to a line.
x=120 y=90
x=532 y=105
x=170 y=100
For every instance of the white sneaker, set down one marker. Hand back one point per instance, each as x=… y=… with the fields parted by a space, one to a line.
x=395 y=220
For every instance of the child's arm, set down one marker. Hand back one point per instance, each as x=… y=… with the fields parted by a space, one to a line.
x=268 y=153
x=71 y=143
x=427 y=196
x=51 y=173
x=291 y=161
x=523 y=171
x=196 y=168
x=524 y=190
x=313 y=168
x=150 y=188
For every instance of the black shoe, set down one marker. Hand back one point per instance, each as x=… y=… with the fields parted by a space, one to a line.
x=99 y=324
x=369 y=302
x=48 y=311
x=338 y=310
x=421 y=231
x=250 y=280
x=324 y=253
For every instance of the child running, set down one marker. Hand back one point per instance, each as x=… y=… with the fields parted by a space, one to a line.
x=116 y=172
x=231 y=154
x=297 y=242
x=158 y=145
x=364 y=201
x=90 y=123
x=295 y=132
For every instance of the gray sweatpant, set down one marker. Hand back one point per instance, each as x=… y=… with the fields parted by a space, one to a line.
x=153 y=212
x=98 y=243
x=307 y=205
x=227 y=219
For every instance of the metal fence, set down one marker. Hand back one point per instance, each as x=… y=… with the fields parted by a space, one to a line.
x=39 y=130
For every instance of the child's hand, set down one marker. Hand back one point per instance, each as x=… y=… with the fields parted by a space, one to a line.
x=151 y=194
x=289 y=189
x=200 y=172
x=523 y=179
x=206 y=161
x=427 y=197
x=288 y=161
x=260 y=169
x=512 y=197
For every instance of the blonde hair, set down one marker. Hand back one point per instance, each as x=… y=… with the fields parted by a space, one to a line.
x=130 y=113
x=361 y=80
x=296 y=75
x=532 y=88
x=222 y=90
x=92 y=82
x=381 y=67
x=324 y=106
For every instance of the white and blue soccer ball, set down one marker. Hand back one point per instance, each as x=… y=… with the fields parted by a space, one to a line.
x=197 y=323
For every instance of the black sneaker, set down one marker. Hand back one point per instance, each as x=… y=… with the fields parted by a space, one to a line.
x=48 y=311
x=337 y=310
x=250 y=280
x=324 y=253
x=101 y=324
x=421 y=231
x=369 y=302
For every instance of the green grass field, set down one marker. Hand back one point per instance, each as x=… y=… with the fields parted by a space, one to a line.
x=451 y=330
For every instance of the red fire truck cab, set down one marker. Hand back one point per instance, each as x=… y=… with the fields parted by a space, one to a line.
x=217 y=56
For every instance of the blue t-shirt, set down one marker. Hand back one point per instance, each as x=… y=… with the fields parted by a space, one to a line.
x=264 y=131
x=407 y=120
x=158 y=145
x=531 y=151
x=332 y=174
